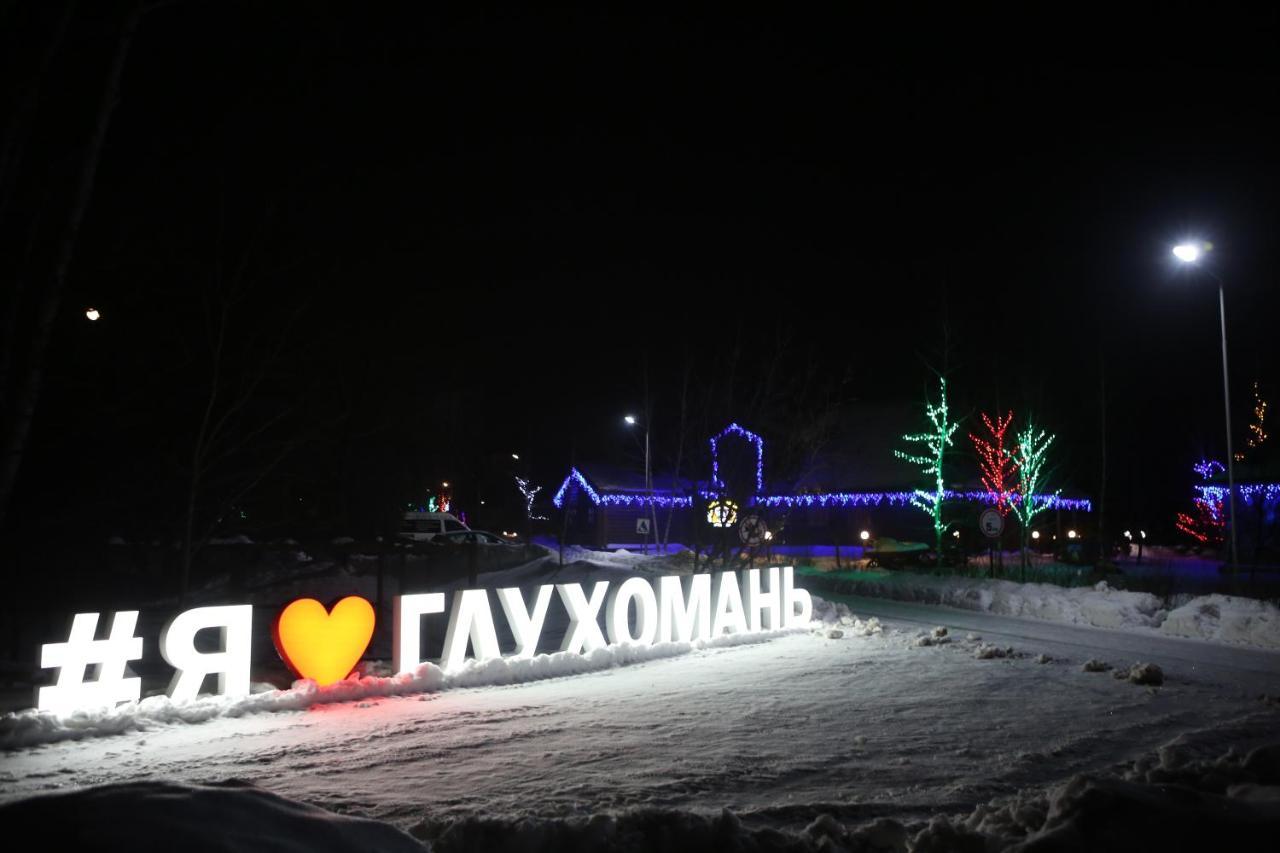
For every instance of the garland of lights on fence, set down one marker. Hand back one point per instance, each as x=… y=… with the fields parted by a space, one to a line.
x=1268 y=493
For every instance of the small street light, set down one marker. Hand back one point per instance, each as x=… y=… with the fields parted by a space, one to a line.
x=92 y=313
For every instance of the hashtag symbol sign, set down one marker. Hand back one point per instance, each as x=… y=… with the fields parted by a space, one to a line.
x=109 y=658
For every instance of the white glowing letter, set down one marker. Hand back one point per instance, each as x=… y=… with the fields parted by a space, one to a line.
x=755 y=601
x=583 y=633
x=729 y=617
x=526 y=627
x=406 y=644
x=791 y=618
x=111 y=657
x=617 y=618
x=231 y=664
x=684 y=617
x=469 y=617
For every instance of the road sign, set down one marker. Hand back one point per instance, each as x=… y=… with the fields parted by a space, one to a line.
x=991 y=523
x=753 y=531
x=642 y=526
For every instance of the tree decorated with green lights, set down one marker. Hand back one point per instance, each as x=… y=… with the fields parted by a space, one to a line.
x=935 y=443
x=1029 y=454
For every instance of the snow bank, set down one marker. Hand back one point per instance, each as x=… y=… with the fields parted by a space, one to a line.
x=30 y=727
x=1167 y=803
x=1099 y=606
x=231 y=816
x=618 y=559
x=1226 y=619
x=1171 y=800
x=1217 y=618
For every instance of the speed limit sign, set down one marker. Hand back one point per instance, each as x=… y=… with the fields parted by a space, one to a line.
x=991 y=522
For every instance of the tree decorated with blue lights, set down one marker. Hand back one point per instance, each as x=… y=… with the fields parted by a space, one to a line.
x=935 y=444
x=1029 y=454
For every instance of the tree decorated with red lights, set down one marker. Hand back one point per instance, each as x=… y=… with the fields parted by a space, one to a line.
x=999 y=467
x=1208 y=524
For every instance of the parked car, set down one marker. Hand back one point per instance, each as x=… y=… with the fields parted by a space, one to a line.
x=473 y=537
x=426 y=526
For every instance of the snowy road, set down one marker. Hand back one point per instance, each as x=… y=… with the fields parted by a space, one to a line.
x=858 y=727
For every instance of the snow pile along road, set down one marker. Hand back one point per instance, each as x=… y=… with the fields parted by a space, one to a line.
x=1217 y=618
x=1171 y=801
x=1226 y=619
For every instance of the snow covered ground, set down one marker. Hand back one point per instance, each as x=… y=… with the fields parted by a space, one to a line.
x=919 y=735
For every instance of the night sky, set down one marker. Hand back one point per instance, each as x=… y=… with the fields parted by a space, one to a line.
x=463 y=235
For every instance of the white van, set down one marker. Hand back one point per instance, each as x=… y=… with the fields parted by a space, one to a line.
x=425 y=526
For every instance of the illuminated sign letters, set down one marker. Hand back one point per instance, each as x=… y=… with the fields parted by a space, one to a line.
x=231 y=665
x=325 y=644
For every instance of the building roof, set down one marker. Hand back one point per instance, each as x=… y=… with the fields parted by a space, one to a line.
x=853 y=472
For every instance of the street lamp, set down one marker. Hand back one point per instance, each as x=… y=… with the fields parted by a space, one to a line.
x=630 y=420
x=1192 y=252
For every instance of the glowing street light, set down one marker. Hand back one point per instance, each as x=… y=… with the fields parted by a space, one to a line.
x=864 y=535
x=1071 y=534
x=445 y=484
x=515 y=456
x=1191 y=252
x=630 y=421
x=92 y=313
x=1035 y=534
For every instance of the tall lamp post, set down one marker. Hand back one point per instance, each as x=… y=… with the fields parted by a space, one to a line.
x=1190 y=254
x=648 y=476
